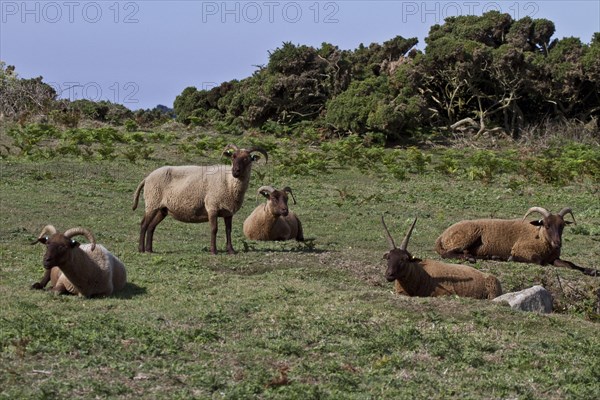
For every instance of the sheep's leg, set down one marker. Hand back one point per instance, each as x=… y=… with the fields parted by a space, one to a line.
x=461 y=255
x=59 y=288
x=159 y=215
x=300 y=235
x=567 y=264
x=143 y=229
x=43 y=282
x=228 y=224
x=214 y=227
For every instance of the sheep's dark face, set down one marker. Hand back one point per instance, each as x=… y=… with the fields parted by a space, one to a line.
x=278 y=203
x=397 y=263
x=553 y=227
x=241 y=162
x=58 y=248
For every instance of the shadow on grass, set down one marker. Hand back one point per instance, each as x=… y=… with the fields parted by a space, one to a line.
x=307 y=247
x=131 y=290
x=250 y=270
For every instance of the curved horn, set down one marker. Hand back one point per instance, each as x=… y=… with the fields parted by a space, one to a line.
x=565 y=211
x=389 y=237
x=230 y=146
x=81 y=231
x=289 y=190
x=47 y=230
x=404 y=243
x=541 y=210
x=260 y=150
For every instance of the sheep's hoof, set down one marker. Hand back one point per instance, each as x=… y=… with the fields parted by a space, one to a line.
x=37 y=286
x=591 y=272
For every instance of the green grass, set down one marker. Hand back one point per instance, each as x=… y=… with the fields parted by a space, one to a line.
x=289 y=320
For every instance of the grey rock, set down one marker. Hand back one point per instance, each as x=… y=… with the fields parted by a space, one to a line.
x=535 y=298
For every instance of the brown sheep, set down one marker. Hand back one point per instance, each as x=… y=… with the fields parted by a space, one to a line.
x=87 y=270
x=516 y=240
x=430 y=278
x=273 y=220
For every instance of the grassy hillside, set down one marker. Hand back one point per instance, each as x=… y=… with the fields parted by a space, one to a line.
x=290 y=320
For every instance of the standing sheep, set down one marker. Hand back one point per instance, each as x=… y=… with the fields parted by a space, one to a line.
x=196 y=194
x=273 y=220
x=429 y=278
x=87 y=270
x=516 y=240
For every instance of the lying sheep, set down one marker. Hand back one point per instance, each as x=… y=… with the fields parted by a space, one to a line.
x=273 y=220
x=429 y=278
x=516 y=240
x=197 y=194
x=87 y=270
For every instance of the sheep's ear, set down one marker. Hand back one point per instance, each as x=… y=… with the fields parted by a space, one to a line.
x=255 y=157
x=568 y=222
x=386 y=256
x=74 y=243
x=539 y=222
x=42 y=240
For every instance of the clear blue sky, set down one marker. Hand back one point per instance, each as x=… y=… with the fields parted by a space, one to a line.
x=144 y=53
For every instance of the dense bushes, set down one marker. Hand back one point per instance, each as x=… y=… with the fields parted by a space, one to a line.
x=478 y=75
x=493 y=72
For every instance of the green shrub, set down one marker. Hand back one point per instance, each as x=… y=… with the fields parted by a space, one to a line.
x=417 y=161
x=107 y=152
x=68 y=148
x=484 y=165
x=227 y=128
x=131 y=125
x=449 y=162
x=138 y=151
x=107 y=135
x=349 y=111
x=68 y=117
x=134 y=137
x=561 y=165
x=303 y=162
x=394 y=165
x=27 y=138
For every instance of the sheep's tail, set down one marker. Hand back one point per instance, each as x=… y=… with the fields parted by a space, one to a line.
x=136 y=196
